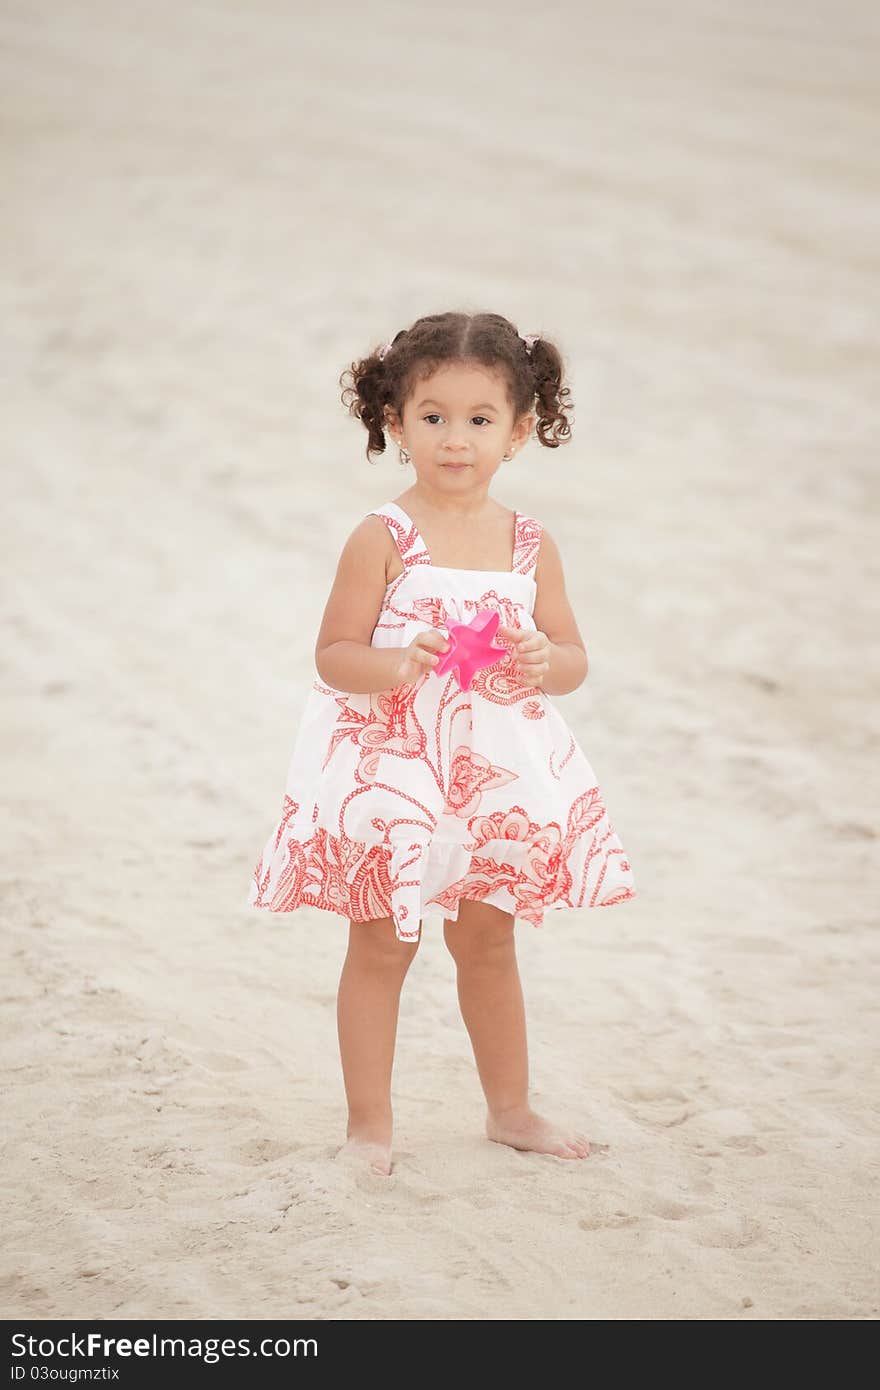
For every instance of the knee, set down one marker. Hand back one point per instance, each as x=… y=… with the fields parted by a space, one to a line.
x=483 y=940
x=376 y=945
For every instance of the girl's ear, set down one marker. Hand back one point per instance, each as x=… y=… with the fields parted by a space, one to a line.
x=526 y=427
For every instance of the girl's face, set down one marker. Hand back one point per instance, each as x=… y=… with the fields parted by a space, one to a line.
x=460 y=415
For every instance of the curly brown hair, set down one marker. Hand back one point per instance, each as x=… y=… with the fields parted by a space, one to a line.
x=534 y=378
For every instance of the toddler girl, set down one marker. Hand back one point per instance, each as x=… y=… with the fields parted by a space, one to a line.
x=432 y=772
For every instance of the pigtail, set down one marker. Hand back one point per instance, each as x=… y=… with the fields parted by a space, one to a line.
x=552 y=398
x=365 y=395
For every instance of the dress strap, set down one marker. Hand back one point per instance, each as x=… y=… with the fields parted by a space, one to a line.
x=526 y=545
x=407 y=536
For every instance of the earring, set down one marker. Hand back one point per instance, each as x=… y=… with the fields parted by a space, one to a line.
x=405 y=458
x=506 y=458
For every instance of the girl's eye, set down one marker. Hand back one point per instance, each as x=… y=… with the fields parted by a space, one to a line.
x=435 y=416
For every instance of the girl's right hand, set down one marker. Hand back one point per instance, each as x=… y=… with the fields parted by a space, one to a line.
x=420 y=655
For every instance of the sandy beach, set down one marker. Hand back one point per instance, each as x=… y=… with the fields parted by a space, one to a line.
x=209 y=211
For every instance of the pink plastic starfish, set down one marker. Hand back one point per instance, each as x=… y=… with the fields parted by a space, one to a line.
x=471 y=647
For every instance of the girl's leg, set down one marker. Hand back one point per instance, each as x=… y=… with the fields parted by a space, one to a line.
x=367 y=1007
x=490 y=994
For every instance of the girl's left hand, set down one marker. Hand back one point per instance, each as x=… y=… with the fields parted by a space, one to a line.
x=531 y=652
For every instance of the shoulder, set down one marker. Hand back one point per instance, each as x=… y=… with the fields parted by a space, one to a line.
x=549 y=563
x=370 y=529
x=370 y=539
x=373 y=538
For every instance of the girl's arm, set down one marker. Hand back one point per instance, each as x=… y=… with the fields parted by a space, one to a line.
x=553 y=657
x=343 y=655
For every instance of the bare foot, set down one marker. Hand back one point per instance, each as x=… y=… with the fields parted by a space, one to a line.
x=523 y=1129
x=367 y=1148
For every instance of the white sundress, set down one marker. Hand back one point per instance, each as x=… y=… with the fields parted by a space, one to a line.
x=403 y=802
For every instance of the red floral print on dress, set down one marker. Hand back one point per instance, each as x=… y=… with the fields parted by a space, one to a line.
x=417 y=799
x=391 y=724
x=470 y=775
